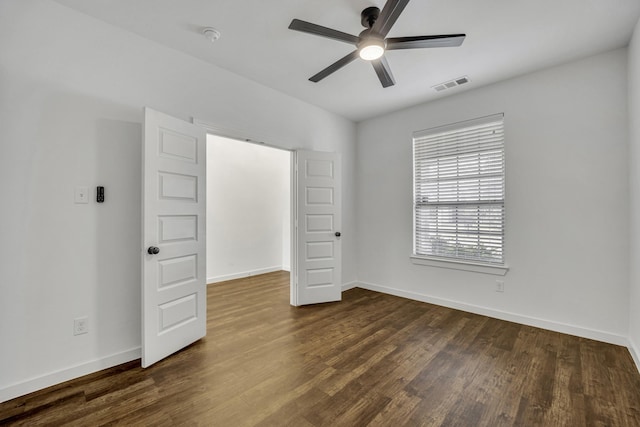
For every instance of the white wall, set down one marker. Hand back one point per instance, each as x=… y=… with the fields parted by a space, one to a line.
x=248 y=202
x=71 y=95
x=634 y=156
x=567 y=204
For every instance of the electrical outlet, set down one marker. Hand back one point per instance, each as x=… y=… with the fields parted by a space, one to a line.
x=80 y=326
x=499 y=285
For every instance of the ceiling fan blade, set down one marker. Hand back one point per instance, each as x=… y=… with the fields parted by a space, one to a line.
x=319 y=30
x=417 y=42
x=388 y=16
x=334 y=67
x=383 y=71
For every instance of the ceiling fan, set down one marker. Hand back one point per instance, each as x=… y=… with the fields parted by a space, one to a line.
x=371 y=44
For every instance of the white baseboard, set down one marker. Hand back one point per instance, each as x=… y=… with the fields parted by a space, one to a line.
x=34 y=384
x=635 y=354
x=564 y=328
x=225 y=277
x=350 y=285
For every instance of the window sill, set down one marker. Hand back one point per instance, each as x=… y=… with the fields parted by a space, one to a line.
x=460 y=265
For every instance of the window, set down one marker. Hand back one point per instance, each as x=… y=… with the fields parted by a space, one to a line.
x=459 y=192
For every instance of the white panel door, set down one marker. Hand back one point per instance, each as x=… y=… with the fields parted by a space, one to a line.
x=318 y=226
x=174 y=293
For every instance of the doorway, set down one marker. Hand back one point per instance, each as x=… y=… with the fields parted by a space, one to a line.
x=174 y=224
x=248 y=209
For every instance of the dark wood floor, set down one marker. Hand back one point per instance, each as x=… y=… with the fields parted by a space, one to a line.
x=372 y=359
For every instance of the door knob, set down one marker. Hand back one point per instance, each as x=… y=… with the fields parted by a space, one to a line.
x=338 y=234
x=153 y=250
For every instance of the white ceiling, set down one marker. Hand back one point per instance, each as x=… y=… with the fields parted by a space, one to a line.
x=505 y=38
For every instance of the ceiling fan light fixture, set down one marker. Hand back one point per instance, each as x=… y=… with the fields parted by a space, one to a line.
x=371 y=49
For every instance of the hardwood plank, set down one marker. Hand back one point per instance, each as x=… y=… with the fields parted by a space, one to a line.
x=371 y=359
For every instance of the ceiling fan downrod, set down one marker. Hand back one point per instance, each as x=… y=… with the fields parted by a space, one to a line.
x=369 y=16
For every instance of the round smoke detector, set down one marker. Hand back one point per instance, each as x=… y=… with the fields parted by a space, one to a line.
x=211 y=34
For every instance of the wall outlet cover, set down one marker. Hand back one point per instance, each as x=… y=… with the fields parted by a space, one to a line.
x=82 y=195
x=80 y=326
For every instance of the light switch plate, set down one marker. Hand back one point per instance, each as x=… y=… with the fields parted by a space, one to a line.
x=82 y=195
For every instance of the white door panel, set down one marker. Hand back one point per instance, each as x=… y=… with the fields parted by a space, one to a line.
x=174 y=209
x=319 y=218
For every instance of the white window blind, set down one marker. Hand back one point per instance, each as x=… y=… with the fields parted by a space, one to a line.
x=459 y=191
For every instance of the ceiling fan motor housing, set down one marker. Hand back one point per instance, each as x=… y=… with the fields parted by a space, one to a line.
x=371 y=41
x=370 y=35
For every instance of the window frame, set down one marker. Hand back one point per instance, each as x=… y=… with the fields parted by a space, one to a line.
x=459 y=263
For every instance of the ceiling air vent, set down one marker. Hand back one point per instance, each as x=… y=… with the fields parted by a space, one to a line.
x=451 y=83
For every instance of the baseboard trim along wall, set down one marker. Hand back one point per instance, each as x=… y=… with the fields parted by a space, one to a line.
x=239 y=275
x=503 y=315
x=350 y=285
x=635 y=354
x=57 y=377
